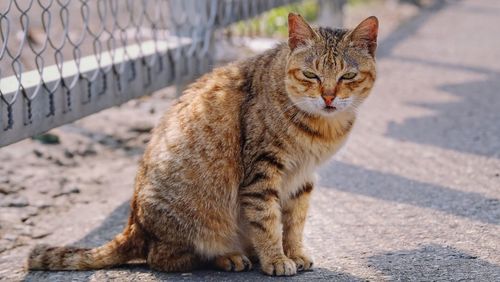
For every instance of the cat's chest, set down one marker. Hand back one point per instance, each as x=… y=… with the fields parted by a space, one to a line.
x=295 y=178
x=303 y=164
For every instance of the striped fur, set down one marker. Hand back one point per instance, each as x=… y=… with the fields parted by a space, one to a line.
x=227 y=174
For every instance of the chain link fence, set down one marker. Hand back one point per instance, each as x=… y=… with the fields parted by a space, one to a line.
x=61 y=60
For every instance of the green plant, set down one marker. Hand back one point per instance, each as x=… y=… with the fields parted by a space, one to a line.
x=274 y=22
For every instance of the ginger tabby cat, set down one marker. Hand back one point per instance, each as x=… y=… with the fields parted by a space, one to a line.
x=228 y=172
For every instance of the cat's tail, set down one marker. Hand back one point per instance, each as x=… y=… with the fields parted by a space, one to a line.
x=123 y=248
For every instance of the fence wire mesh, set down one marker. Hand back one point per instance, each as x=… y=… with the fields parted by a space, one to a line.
x=61 y=60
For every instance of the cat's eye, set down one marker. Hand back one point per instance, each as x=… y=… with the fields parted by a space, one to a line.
x=349 y=75
x=310 y=75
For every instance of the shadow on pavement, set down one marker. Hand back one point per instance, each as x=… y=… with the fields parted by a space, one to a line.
x=114 y=224
x=391 y=187
x=318 y=274
x=469 y=124
x=410 y=27
x=434 y=263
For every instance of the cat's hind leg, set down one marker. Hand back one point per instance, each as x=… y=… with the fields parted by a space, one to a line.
x=172 y=257
x=223 y=248
x=233 y=262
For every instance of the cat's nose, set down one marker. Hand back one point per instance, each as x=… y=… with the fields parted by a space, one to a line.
x=328 y=99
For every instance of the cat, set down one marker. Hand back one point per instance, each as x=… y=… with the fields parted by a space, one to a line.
x=228 y=173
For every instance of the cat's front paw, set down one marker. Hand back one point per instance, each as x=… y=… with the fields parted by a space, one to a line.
x=282 y=266
x=302 y=262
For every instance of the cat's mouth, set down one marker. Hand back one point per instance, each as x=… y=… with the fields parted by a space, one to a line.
x=330 y=108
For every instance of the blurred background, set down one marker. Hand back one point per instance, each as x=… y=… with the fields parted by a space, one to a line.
x=414 y=195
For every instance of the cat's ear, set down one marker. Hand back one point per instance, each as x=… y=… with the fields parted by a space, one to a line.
x=365 y=35
x=299 y=31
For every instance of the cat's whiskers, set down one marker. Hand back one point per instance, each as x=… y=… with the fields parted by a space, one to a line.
x=356 y=102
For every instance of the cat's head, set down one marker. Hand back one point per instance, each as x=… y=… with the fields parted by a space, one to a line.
x=330 y=70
